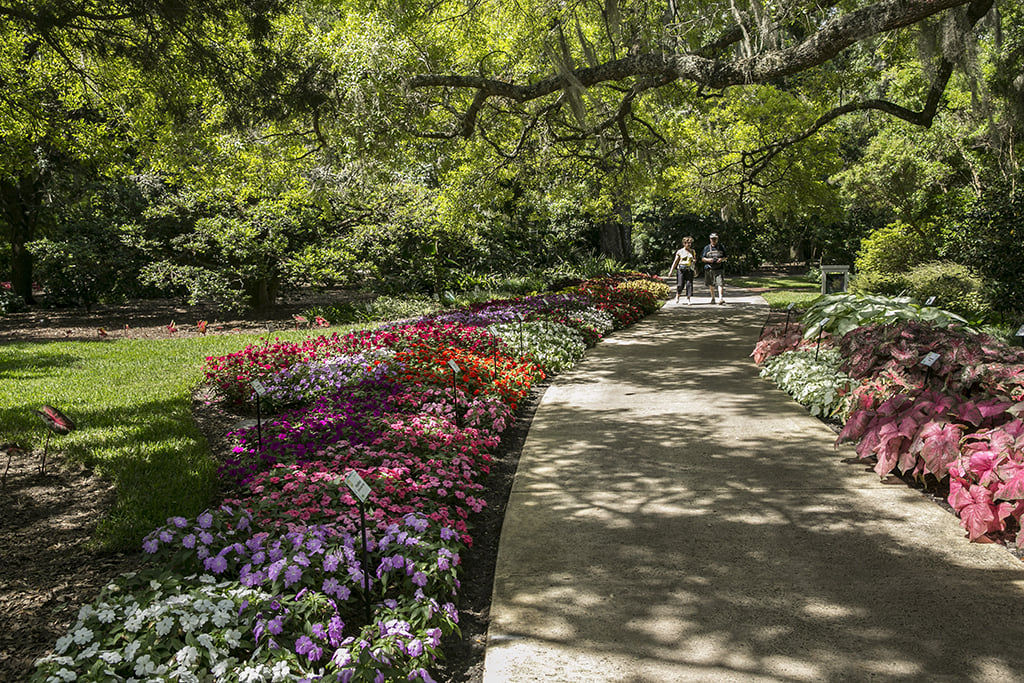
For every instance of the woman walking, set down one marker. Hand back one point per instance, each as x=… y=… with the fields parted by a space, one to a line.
x=683 y=264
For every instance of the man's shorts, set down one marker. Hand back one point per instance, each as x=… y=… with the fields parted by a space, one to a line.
x=714 y=278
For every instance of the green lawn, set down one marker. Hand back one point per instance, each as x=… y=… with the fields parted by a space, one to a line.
x=131 y=401
x=782 y=290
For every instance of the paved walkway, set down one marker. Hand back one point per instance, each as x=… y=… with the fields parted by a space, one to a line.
x=676 y=518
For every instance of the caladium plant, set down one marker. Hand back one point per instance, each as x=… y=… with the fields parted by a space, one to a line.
x=918 y=432
x=986 y=486
x=776 y=339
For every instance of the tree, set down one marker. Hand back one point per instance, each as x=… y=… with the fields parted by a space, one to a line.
x=60 y=61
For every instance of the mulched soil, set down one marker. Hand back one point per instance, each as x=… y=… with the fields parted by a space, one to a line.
x=49 y=567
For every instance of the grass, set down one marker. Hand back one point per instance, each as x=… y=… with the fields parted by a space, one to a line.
x=131 y=402
x=782 y=290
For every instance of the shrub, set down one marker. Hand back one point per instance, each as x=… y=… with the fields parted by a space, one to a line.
x=885 y=284
x=953 y=285
x=896 y=248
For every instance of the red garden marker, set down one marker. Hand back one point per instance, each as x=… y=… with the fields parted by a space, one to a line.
x=58 y=423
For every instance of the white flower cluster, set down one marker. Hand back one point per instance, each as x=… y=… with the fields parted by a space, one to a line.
x=818 y=384
x=160 y=629
x=555 y=347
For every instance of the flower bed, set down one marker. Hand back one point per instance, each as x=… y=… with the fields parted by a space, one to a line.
x=955 y=421
x=274 y=584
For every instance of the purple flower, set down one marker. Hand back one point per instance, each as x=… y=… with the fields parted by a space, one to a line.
x=205 y=520
x=331 y=562
x=334 y=629
x=275 y=569
x=189 y=541
x=179 y=522
x=217 y=564
x=292 y=574
x=275 y=625
x=414 y=648
x=419 y=578
x=150 y=545
x=305 y=646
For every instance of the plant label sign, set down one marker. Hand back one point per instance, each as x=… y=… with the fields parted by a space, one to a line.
x=930 y=301
x=1020 y=331
x=930 y=359
x=791 y=305
x=258 y=387
x=454 y=366
x=521 y=317
x=357 y=485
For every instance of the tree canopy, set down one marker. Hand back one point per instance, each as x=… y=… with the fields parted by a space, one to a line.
x=266 y=140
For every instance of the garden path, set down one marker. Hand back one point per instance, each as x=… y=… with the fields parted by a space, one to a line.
x=676 y=518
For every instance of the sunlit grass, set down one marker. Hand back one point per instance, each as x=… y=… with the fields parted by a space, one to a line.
x=131 y=401
x=782 y=290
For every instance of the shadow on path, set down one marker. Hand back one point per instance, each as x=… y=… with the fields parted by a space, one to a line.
x=676 y=518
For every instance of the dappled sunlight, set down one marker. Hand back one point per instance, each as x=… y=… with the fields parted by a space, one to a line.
x=678 y=518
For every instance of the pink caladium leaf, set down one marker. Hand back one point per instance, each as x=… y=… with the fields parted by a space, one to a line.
x=977 y=513
x=969 y=413
x=855 y=427
x=1012 y=486
x=938 y=444
x=984 y=467
x=889 y=450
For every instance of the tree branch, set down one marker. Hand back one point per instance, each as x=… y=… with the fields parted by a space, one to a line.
x=829 y=40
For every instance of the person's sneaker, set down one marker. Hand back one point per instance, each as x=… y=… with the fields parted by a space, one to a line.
x=712 y=299
x=721 y=301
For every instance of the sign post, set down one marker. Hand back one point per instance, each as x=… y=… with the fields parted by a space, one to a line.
x=455 y=391
x=257 y=386
x=361 y=490
x=821 y=331
x=928 y=361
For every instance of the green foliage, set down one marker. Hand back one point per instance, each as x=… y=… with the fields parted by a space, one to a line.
x=10 y=302
x=838 y=314
x=813 y=379
x=896 y=248
x=955 y=287
x=989 y=239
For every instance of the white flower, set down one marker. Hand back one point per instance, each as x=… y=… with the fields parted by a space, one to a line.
x=89 y=652
x=251 y=674
x=164 y=626
x=131 y=649
x=221 y=618
x=134 y=622
x=281 y=671
x=82 y=636
x=63 y=643
x=106 y=616
x=233 y=637
x=111 y=657
x=67 y=675
x=187 y=656
x=206 y=641
x=85 y=612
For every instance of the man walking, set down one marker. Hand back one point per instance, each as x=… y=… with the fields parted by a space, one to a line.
x=713 y=259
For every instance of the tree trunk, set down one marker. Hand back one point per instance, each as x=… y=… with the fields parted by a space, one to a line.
x=17 y=212
x=617 y=235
